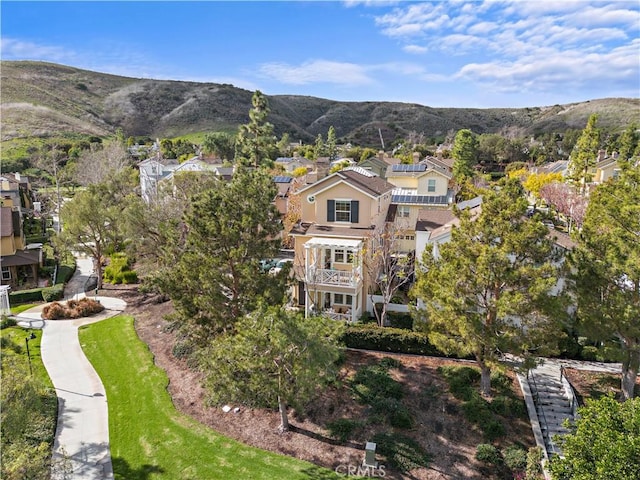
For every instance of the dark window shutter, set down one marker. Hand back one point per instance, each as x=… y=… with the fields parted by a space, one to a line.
x=354 y=211
x=331 y=210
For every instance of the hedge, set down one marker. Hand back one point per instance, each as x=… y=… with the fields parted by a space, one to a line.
x=388 y=339
x=25 y=296
x=51 y=294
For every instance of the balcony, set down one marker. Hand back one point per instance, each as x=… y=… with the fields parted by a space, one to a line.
x=343 y=278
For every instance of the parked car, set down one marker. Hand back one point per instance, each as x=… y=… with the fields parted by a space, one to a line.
x=267 y=264
x=280 y=265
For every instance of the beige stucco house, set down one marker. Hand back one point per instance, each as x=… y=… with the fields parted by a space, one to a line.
x=334 y=239
x=417 y=186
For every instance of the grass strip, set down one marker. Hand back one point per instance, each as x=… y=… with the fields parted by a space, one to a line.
x=149 y=438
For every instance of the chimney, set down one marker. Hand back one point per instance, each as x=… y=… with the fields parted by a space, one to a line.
x=322 y=167
x=381 y=154
x=601 y=155
x=416 y=157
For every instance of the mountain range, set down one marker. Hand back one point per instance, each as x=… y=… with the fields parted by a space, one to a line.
x=43 y=99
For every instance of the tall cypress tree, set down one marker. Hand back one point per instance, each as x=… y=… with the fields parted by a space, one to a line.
x=584 y=154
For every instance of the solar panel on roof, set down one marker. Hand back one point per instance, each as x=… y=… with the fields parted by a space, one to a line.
x=414 y=167
x=282 y=179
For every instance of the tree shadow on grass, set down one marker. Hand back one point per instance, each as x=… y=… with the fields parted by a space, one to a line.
x=123 y=471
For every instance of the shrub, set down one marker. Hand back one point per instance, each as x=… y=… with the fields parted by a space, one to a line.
x=72 y=309
x=508 y=406
x=378 y=383
x=119 y=271
x=515 y=457
x=342 y=429
x=487 y=453
x=370 y=336
x=182 y=349
x=460 y=380
x=388 y=363
x=401 y=452
x=534 y=463
x=493 y=429
x=7 y=322
x=25 y=296
x=66 y=268
x=51 y=294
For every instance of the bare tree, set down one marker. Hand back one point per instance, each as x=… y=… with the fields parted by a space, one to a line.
x=101 y=162
x=391 y=267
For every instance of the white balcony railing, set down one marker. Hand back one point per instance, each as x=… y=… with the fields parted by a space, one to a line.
x=345 y=278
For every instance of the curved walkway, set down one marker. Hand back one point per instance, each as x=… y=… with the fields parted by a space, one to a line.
x=81 y=445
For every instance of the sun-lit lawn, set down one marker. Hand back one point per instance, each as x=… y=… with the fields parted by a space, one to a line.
x=14 y=345
x=149 y=438
x=18 y=309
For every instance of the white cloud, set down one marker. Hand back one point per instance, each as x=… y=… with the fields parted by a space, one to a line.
x=14 y=49
x=418 y=49
x=562 y=70
x=317 y=71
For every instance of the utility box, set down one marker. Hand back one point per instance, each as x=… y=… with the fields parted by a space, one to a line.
x=370 y=455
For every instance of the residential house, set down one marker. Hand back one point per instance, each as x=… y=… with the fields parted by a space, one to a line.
x=340 y=214
x=156 y=170
x=606 y=167
x=379 y=164
x=284 y=184
x=19 y=262
x=417 y=185
x=290 y=164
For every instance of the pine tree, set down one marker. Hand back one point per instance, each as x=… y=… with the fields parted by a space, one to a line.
x=465 y=154
x=489 y=289
x=256 y=143
x=584 y=154
x=277 y=359
x=607 y=270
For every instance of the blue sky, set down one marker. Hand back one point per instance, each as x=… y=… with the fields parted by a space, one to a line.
x=441 y=53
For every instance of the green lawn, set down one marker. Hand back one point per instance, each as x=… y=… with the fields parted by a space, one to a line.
x=16 y=336
x=150 y=439
x=18 y=309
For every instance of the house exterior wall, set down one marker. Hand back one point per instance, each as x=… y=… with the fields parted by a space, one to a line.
x=368 y=209
x=441 y=184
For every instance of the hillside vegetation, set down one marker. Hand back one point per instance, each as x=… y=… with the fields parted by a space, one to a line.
x=44 y=99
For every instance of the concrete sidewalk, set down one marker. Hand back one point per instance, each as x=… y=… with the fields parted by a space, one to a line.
x=81 y=445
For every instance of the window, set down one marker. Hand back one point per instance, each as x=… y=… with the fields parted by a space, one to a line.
x=340 y=255
x=431 y=185
x=6 y=273
x=342 y=299
x=407 y=237
x=404 y=211
x=343 y=211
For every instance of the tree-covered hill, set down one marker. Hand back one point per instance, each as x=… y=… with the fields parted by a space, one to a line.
x=44 y=99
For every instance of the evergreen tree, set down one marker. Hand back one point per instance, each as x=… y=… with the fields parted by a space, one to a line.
x=221 y=144
x=465 y=154
x=629 y=142
x=584 y=154
x=332 y=147
x=255 y=143
x=228 y=229
x=319 y=148
x=277 y=358
x=489 y=289
x=607 y=270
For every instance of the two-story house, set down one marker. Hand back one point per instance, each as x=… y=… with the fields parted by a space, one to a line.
x=153 y=171
x=417 y=186
x=334 y=240
x=19 y=262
